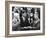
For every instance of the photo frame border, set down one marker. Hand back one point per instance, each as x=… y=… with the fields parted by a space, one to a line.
x=7 y=19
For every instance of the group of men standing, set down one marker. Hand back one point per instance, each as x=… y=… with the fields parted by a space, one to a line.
x=26 y=16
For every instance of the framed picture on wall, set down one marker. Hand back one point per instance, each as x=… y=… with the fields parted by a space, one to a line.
x=24 y=18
